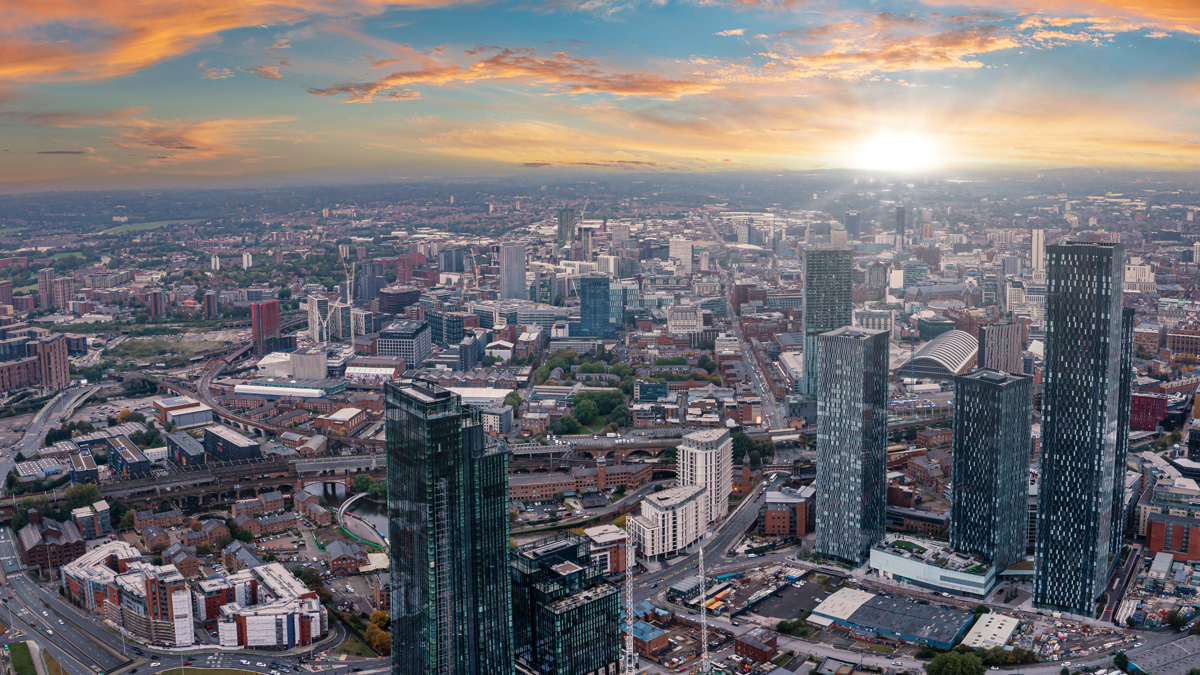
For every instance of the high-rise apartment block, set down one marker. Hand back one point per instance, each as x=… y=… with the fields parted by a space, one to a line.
x=901 y=222
x=1000 y=346
x=828 y=303
x=852 y=413
x=448 y=524
x=45 y=281
x=1081 y=418
x=512 y=272
x=318 y=313
x=566 y=619
x=594 y=314
x=212 y=305
x=993 y=416
x=705 y=458
x=566 y=227
x=264 y=321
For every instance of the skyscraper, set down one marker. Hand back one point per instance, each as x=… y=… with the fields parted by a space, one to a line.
x=681 y=249
x=851 y=222
x=45 y=281
x=566 y=227
x=594 y=313
x=156 y=303
x=1000 y=346
x=1124 y=393
x=512 y=272
x=371 y=278
x=62 y=289
x=1080 y=423
x=264 y=320
x=828 y=303
x=993 y=417
x=318 y=313
x=1039 y=250
x=901 y=222
x=566 y=619
x=706 y=459
x=851 y=442
x=212 y=306
x=448 y=526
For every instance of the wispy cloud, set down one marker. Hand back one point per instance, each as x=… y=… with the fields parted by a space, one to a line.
x=265 y=72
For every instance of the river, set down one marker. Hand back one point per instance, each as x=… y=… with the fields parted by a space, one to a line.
x=334 y=494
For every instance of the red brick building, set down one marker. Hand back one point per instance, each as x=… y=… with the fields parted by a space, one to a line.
x=1146 y=411
x=758 y=645
x=1167 y=533
x=47 y=543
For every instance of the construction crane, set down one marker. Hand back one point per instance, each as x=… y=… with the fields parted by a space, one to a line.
x=629 y=661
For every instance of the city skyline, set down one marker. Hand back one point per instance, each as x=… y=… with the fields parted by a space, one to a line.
x=122 y=95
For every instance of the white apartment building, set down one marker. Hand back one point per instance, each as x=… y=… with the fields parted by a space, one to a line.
x=706 y=459
x=670 y=521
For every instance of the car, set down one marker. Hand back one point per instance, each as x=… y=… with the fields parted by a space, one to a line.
x=60 y=622
x=155 y=664
x=993 y=668
x=45 y=614
x=33 y=624
x=1067 y=664
x=49 y=632
x=734 y=623
x=897 y=663
x=260 y=664
x=131 y=672
x=276 y=663
x=244 y=662
x=187 y=663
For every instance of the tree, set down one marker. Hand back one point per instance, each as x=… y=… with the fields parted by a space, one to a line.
x=362 y=483
x=1176 y=619
x=570 y=425
x=1122 y=661
x=126 y=521
x=310 y=576
x=1193 y=671
x=83 y=494
x=955 y=663
x=195 y=526
x=381 y=619
x=513 y=399
x=587 y=411
x=1064 y=671
x=127 y=415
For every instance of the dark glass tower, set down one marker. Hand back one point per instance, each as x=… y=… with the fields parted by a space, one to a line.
x=993 y=416
x=448 y=529
x=828 y=303
x=566 y=227
x=594 y=298
x=1126 y=393
x=852 y=225
x=566 y=619
x=851 y=442
x=1080 y=424
x=901 y=221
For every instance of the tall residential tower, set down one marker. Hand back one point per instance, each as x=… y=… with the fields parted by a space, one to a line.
x=828 y=303
x=851 y=442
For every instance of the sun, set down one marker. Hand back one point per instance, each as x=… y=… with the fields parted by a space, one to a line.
x=897 y=152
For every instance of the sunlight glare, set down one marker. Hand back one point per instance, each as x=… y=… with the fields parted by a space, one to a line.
x=898 y=152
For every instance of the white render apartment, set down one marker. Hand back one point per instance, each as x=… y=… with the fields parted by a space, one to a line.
x=670 y=521
x=706 y=459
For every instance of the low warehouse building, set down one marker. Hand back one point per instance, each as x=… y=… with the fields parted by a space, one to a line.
x=872 y=617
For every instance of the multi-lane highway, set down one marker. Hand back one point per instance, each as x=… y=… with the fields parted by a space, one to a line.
x=42 y=422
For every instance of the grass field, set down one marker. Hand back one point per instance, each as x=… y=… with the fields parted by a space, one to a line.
x=7 y=231
x=138 y=227
x=354 y=646
x=66 y=254
x=22 y=660
x=144 y=349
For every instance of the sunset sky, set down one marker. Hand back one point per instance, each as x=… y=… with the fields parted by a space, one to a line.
x=129 y=93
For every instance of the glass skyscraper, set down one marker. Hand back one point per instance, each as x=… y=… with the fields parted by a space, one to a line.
x=448 y=530
x=594 y=299
x=828 y=303
x=993 y=417
x=1125 y=392
x=566 y=619
x=1081 y=420
x=851 y=442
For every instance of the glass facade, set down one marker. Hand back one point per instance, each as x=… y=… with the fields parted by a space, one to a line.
x=594 y=299
x=448 y=529
x=1080 y=424
x=828 y=304
x=993 y=417
x=1125 y=392
x=566 y=619
x=851 y=442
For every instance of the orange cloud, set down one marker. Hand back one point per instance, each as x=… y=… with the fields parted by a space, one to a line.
x=123 y=36
x=1170 y=15
x=265 y=72
x=561 y=72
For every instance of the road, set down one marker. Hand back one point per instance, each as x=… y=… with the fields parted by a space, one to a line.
x=42 y=422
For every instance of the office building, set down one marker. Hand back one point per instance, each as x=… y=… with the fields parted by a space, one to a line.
x=705 y=458
x=566 y=227
x=1080 y=411
x=512 y=272
x=853 y=229
x=566 y=619
x=1000 y=347
x=264 y=320
x=223 y=444
x=594 y=313
x=851 y=442
x=901 y=222
x=681 y=249
x=992 y=427
x=371 y=278
x=828 y=303
x=410 y=340
x=448 y=506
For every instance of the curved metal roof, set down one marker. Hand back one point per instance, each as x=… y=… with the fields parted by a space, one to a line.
x=952 y=350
